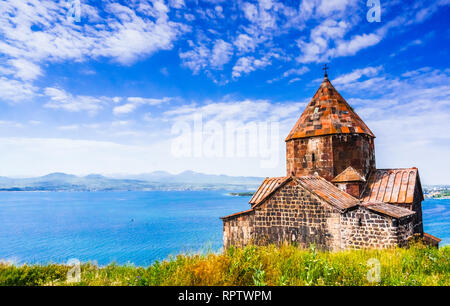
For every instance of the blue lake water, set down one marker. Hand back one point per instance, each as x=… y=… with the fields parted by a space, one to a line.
x=131 y=227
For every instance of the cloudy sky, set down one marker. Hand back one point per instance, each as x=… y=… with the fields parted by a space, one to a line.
x=116 y=87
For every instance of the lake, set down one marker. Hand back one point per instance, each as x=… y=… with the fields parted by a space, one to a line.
x=131 y=227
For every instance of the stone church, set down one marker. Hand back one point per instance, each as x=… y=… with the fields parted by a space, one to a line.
x=333 y=195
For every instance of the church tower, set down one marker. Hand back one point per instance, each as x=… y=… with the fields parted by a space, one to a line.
x=329 y=137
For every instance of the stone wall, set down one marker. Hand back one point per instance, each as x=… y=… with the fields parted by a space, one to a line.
x=295 y=215
x=304 y=156
x=352 y=188
x=291 y=215
x=353 y=150
x=329 y=155
x=238 y=230
x=362 y=228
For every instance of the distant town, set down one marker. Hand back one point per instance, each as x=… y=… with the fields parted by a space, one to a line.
x=436 y=191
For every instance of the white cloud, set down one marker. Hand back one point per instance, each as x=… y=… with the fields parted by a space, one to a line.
x=241 y=111
x=25 y=69
x=135 y=102
x=124 y=109
x=201 y=57
x=247 y=64
x=177 y=3
x=196 y=59
x=291 y=72
x=352 y=46
x=356 y=75
x=320 y=38
x=60 y=99
x=296 y=71
x=327 y=7
x=38 y=31
x=245 y=43
x=221 y=54
x=294 y=80
x=189 y=17
x=330 y=38
x=14 y=91
x=71 y=127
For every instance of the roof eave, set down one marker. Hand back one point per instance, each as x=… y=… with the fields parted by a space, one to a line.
x=326 y=134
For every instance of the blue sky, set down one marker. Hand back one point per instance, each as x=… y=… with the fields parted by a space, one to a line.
x=123 y=88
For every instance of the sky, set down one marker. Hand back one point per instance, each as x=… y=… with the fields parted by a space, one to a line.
x=127 y=87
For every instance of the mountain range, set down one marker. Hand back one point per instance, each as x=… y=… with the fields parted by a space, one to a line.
x=158 y=180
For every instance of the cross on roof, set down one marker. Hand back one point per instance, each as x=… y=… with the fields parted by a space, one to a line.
x=325 y=68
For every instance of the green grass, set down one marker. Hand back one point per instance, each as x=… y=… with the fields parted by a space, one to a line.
x=254 y=266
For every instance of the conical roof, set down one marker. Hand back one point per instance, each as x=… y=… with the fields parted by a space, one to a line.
x=328 y=113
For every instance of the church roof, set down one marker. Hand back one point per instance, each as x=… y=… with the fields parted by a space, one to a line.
x=388 y=209
x=328 y=192
x=315 y=184
x=266 y=188
x=393 y=186
x=348 y=175
x=328 y=113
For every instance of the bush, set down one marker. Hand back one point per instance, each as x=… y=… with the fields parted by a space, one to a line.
x=256 y=266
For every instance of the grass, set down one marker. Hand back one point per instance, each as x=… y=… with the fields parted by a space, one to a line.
x=255 y=266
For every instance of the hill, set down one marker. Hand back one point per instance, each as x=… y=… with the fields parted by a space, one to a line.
x=158 y=180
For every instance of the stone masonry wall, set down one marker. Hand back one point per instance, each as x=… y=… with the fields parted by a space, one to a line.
x=238 y=230
x=329 y=155
x=293 y=215
x=304 y=156
x=362 y=228
x=353 y=150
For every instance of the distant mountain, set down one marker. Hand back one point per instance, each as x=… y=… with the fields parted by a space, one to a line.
x=158 y=180
x=195 y=177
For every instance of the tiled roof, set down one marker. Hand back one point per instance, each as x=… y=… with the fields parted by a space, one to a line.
x=389 y=209
x=392 y=186
x=328 y=113
x=427 y=236
x=348 y=175
x=266 y=188
x=315 y=184
x=238 y=214
x=328 y=192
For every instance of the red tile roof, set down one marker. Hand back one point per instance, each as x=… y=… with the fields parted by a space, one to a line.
x=266 y=188
x=349 y=175
x=429 y=237
x=238 y=214
x=315 y=184
x=328 y=113
x=392 y=186
x=389 y=209
x=328 y=192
